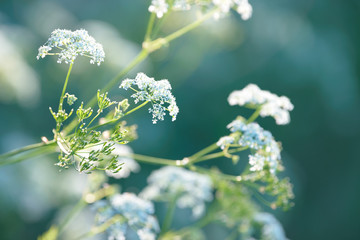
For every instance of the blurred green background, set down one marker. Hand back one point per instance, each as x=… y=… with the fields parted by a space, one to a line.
x=307 y=50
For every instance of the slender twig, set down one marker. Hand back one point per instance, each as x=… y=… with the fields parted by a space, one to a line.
x=58 y=125
x=29 y=154
x=102 y=228
x=24 y=149
x=153 y=160
x=204 y=151
x=115 y=120
x=254 y=115
x=189 y=27
x=76 y=209
x=150 y=27
x=218 y=154
x=169 y=216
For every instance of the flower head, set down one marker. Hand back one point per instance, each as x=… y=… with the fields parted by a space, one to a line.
x=156 y=92
x=136 y=217
x=72 y=44
x=190 y=189
x=160 y=7
x=267 y=150
x=271 y=104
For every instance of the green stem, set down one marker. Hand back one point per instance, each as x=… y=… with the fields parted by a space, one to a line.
x=76 y=209
x=189 y=27
x=220 y=174
x=30 y=154
x=160 y=22
x=136 y=108
x=169 y=216
x=64 y=88
x=218 y=154
x=24 y=149
x=254 y=116
x=201 y=153
x=150 y=27
x=153 y=160
x=58 y=124
x=93 y=118
x=115 y=120
x=102 y=228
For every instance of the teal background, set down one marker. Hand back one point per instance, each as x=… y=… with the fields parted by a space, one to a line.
x=306 y=50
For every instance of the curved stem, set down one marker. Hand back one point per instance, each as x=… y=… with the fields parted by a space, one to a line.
x=102 y=228
x=58 y=124
x=153 y=160
x=64 y=88
x=201 y=153
x=115 y=120
x=136 y=108
x=83 y=202
x=160 y=22
x=150 y=27
x=78 y=207
x=24 y=149
x=189 y=27
x=254 y=115
x=43 y=150
x=93 y=118
x=169 y=216
x=218 y=154
x=220 y=174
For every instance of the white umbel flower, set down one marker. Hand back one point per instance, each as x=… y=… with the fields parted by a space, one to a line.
x=71 y=44
x=137 y=217
x=190 y=189
x=267 y=150
x=156 y=92
x=223 y=7
x=159 y=7
x=271 y=104
x=244 y=9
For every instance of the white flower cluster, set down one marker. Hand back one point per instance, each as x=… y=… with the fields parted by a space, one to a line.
x=71 y=44
x=190 y=189
x=267 y=150
x=156 y=92
x=160 y=7
x=243 y=7
x=137 y=217
x=271 y=104
x=271 y=228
